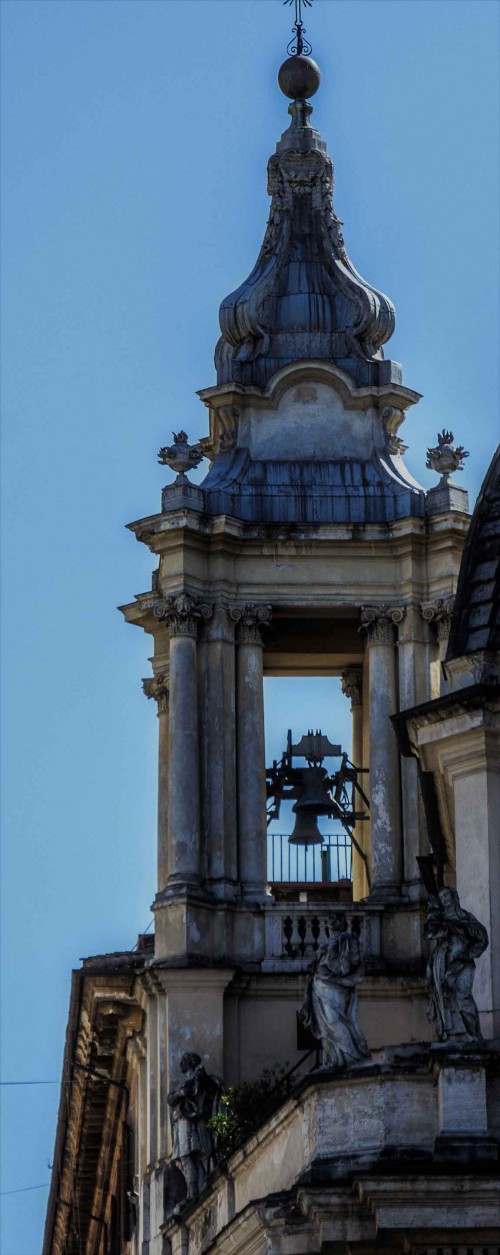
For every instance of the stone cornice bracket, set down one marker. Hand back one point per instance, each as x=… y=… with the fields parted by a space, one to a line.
x=379 y=621
x=182 y=614
x=251 y=619
x=439 y=612
x=157 y=686
x=352 y=686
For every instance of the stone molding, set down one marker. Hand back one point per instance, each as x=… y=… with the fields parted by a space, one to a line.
x=251 y=619
x=352 y=686
x=379 y=621
x=182 y=614
x=439 y=612
x=157 y=686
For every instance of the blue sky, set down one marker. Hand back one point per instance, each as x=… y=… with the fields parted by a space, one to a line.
x=135 y=141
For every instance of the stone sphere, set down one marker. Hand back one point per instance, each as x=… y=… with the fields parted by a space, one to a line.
x=299 y=77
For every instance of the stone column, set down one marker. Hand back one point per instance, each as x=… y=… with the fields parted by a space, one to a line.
x=413 y=688
x=352 y=687
x=183 y=614
x=158 y=688
x=251 y=769
x=439 y=614
x=217 y=696
x=384 y=779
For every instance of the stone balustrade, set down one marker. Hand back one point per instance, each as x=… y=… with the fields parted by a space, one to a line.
x=295 y=931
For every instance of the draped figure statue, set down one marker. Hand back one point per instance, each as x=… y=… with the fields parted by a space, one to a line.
x=459 y=939
x=331 y=1002
x=192 y=1104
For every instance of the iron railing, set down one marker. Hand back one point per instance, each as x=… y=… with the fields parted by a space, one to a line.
x=326 y=863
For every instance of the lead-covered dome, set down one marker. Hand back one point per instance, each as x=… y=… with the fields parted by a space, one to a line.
x=303 y=298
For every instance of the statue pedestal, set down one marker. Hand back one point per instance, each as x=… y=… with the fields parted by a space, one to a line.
x=462 y=1109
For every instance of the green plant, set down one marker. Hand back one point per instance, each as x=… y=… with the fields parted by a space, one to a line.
x=244 y=1108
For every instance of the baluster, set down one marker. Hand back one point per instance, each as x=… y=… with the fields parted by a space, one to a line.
x=315 y=932
x=309 y=942
x=287 y=936
x=301 y=930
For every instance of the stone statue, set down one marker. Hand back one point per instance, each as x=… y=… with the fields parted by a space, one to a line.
x=191 y=1106
x=331 y=1001
x=459 y=939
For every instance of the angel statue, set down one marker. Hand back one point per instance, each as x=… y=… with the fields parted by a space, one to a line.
x=192 y=1104
x=459 y=940
x=331 y=1002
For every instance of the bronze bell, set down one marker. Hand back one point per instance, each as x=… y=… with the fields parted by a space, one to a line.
x=306 y=831
x=313 y=800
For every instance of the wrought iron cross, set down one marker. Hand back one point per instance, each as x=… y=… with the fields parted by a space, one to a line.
x=299 y=46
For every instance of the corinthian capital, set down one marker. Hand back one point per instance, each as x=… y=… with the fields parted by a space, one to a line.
x=439 y=613
x=250 y=619
x=182 y=614
x=157 y=686
x=379 y=621
x=352 y=686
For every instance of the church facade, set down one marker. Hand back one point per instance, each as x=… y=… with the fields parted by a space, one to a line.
x=305 y=1067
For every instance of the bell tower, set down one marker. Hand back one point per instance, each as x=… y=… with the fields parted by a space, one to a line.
x=307 y=550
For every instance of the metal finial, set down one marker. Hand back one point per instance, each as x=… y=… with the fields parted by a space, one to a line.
x=299 y=46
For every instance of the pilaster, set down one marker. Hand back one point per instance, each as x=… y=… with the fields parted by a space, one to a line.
x=157 y=687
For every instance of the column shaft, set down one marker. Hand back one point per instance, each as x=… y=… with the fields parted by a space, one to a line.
x=251 y=764
x=385 y=792
x=218 y=754
x=352 y=687
x=163 y=750
x=413 y=688
x=183 y=762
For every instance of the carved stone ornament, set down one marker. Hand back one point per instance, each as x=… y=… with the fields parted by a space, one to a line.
x=330 y=1006
x=157 y=686
x=192 y=1104
x=446 y=457
x=352 y=686
x=250 y=619
x=378 y=622
x=392 y=419
x=181 y=456
x=439 y=613
x=182 y=614
x=459 y=939
x=223 y=429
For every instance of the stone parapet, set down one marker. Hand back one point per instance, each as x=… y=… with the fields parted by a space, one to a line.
x=335 y=1154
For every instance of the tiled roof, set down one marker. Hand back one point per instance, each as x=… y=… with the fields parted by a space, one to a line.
x=476 y=617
